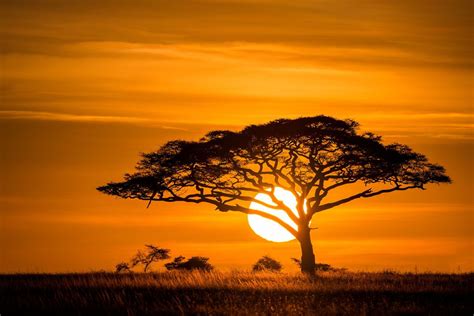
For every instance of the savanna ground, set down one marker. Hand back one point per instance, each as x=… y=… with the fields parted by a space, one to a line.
x=236 y=293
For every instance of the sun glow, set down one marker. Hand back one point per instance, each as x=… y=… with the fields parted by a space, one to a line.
x=267 y=228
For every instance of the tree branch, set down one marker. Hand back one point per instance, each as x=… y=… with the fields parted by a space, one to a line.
x=365 y=194
x=274 y=218
x=337 y=203
x=196 y=198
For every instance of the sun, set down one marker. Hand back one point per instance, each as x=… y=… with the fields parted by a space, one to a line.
x=268 y=229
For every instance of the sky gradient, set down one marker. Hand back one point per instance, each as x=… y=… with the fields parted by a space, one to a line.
x=87 y=86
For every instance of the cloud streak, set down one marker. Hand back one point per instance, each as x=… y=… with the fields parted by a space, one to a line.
x=65 y=117
x=455 y=126
x=435 y=32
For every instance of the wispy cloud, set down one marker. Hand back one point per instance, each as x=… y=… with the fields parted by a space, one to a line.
x=66 y=117
x=408 y=116
x=408 y=28
x=397 y=125
x=447 y=125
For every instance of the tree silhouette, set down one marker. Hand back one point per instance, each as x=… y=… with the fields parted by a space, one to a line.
x=152 y=254
x=122 y=267
x=312 y=157
x=267 y=263
x=193 y=263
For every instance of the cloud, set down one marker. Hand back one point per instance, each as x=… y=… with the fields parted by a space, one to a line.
x=452 y=119
x=435 y=32
x=442 y=125
x=65 y=117
x=286 y=57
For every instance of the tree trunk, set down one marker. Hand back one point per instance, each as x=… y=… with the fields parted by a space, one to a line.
x=308 y=262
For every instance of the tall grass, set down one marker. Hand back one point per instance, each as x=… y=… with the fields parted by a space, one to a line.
x=239 y=293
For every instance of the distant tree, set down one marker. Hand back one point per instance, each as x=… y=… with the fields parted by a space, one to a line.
x=311 y=156
x=151 y=254
x=193 y=263
x=122 y=267
x=267 y=263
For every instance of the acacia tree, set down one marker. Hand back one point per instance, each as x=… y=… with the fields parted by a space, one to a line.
x=152 y=254
x=312 y=157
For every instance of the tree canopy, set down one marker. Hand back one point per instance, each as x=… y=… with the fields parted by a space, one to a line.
x=193 y=263
x=309 y=156
x=267 y=263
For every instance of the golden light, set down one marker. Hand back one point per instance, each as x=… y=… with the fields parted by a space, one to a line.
x=267 y=228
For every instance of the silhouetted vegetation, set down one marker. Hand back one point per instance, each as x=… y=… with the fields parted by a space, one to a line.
x=236 y=293
x=320 y=266
x=193 y=263
x=144 y=258
x=309 y=156
x=122 y=267
x=267 y=263
x=154 y=254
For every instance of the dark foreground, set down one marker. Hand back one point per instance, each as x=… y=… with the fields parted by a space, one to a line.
x=236 y=293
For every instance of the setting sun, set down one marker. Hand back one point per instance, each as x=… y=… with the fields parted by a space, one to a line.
x=266 y=228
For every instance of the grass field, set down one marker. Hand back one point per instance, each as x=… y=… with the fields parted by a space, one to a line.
x=237 y=293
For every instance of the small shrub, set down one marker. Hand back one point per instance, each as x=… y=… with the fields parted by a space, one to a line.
x=173 y=265
x=193 y=263
x=122 y=267
x=267 y=263
x=320 y=266
x=324 y=267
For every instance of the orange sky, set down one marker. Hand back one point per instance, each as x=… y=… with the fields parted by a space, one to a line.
x=86 y=86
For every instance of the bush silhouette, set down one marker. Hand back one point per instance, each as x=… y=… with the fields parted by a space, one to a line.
x=122 y=267
x=193 y=263
x=319 y=266
x=267 y=263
